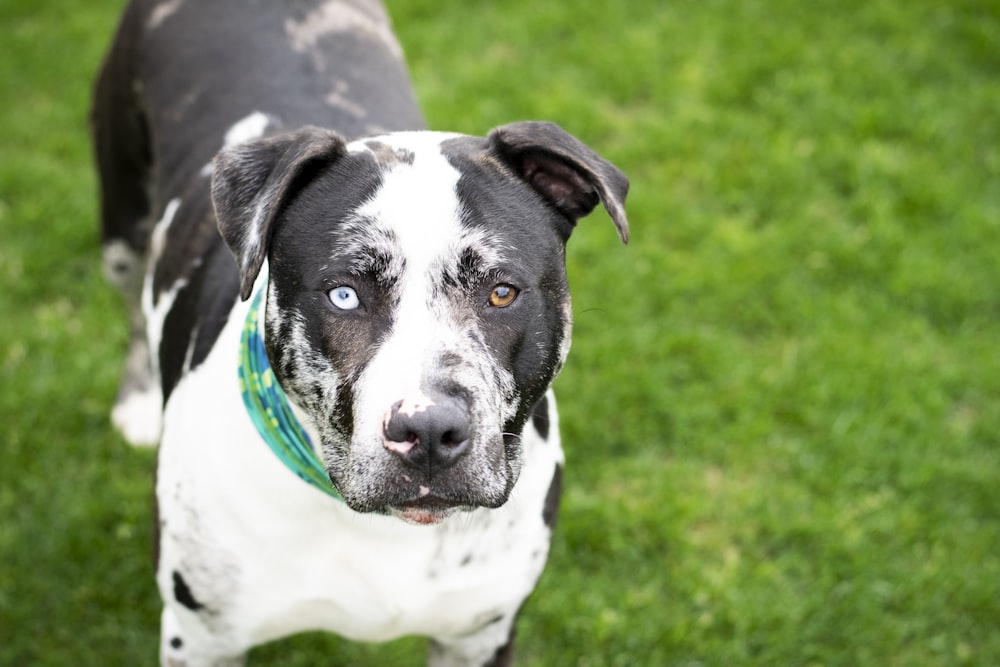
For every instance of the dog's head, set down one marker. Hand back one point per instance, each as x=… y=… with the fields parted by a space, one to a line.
x=417 y=303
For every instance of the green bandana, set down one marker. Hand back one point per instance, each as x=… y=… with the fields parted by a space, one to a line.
x=268 y=407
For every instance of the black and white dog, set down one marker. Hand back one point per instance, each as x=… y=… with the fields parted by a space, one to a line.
x=394 y=316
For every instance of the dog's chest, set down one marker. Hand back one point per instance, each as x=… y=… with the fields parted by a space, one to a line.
x=450 y=580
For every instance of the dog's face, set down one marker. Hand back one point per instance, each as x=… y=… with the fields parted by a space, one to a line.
x=417 y=302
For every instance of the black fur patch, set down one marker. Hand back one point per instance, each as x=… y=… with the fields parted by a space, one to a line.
x=551 y=508
x=197 y=317
x=540 y=417
x=183 y=594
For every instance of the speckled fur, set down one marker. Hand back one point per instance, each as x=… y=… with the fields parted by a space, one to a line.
x=217 y=182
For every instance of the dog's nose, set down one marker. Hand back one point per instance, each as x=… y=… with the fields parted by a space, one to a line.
x=436 y=434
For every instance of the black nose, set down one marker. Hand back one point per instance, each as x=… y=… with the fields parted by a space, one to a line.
x=436 y=435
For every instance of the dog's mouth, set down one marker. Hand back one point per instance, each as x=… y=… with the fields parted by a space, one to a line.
x=425 y=510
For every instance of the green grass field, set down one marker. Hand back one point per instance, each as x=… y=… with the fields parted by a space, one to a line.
x=782 y=410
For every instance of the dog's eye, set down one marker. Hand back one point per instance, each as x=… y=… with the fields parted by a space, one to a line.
x=502 y=296
x=344 y=297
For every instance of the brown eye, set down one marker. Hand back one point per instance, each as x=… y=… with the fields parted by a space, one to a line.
x=502 y=296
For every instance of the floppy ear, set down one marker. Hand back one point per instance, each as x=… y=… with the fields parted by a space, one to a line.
x=252 y=182
x=564 y=170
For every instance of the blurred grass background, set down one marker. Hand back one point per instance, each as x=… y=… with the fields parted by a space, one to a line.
x=782 y=410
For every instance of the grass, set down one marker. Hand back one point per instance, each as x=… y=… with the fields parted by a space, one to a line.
x=782 y=410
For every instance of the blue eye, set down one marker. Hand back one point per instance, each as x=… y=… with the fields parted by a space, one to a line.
x=344 y=297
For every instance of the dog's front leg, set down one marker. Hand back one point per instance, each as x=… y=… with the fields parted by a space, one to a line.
x=492 y=646
x=185 y=646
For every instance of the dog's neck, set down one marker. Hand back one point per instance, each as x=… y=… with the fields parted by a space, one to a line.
x=268 y=406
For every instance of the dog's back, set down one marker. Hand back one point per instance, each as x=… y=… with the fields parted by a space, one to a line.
x=186 y=77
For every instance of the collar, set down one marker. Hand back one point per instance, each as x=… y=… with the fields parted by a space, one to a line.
x=268 y=407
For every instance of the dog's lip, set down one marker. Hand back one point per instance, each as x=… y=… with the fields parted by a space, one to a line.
x=425 y=510
x=419 y=516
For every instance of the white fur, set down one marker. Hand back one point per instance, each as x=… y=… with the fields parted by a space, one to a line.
x=426 y=229
x=162 y=12
x=337 y=16
x=338 y=98
x=138 y=416
x=159 y=234
x=250 y=127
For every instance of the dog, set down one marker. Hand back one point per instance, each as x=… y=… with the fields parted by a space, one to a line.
x=344 y=328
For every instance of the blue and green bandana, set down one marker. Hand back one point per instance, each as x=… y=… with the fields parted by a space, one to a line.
x=269 y=410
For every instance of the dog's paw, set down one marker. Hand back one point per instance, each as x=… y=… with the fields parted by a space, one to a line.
x=138 y=417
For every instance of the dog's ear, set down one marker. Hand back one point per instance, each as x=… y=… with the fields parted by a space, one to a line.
x=564 y=170
x=252 y=182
